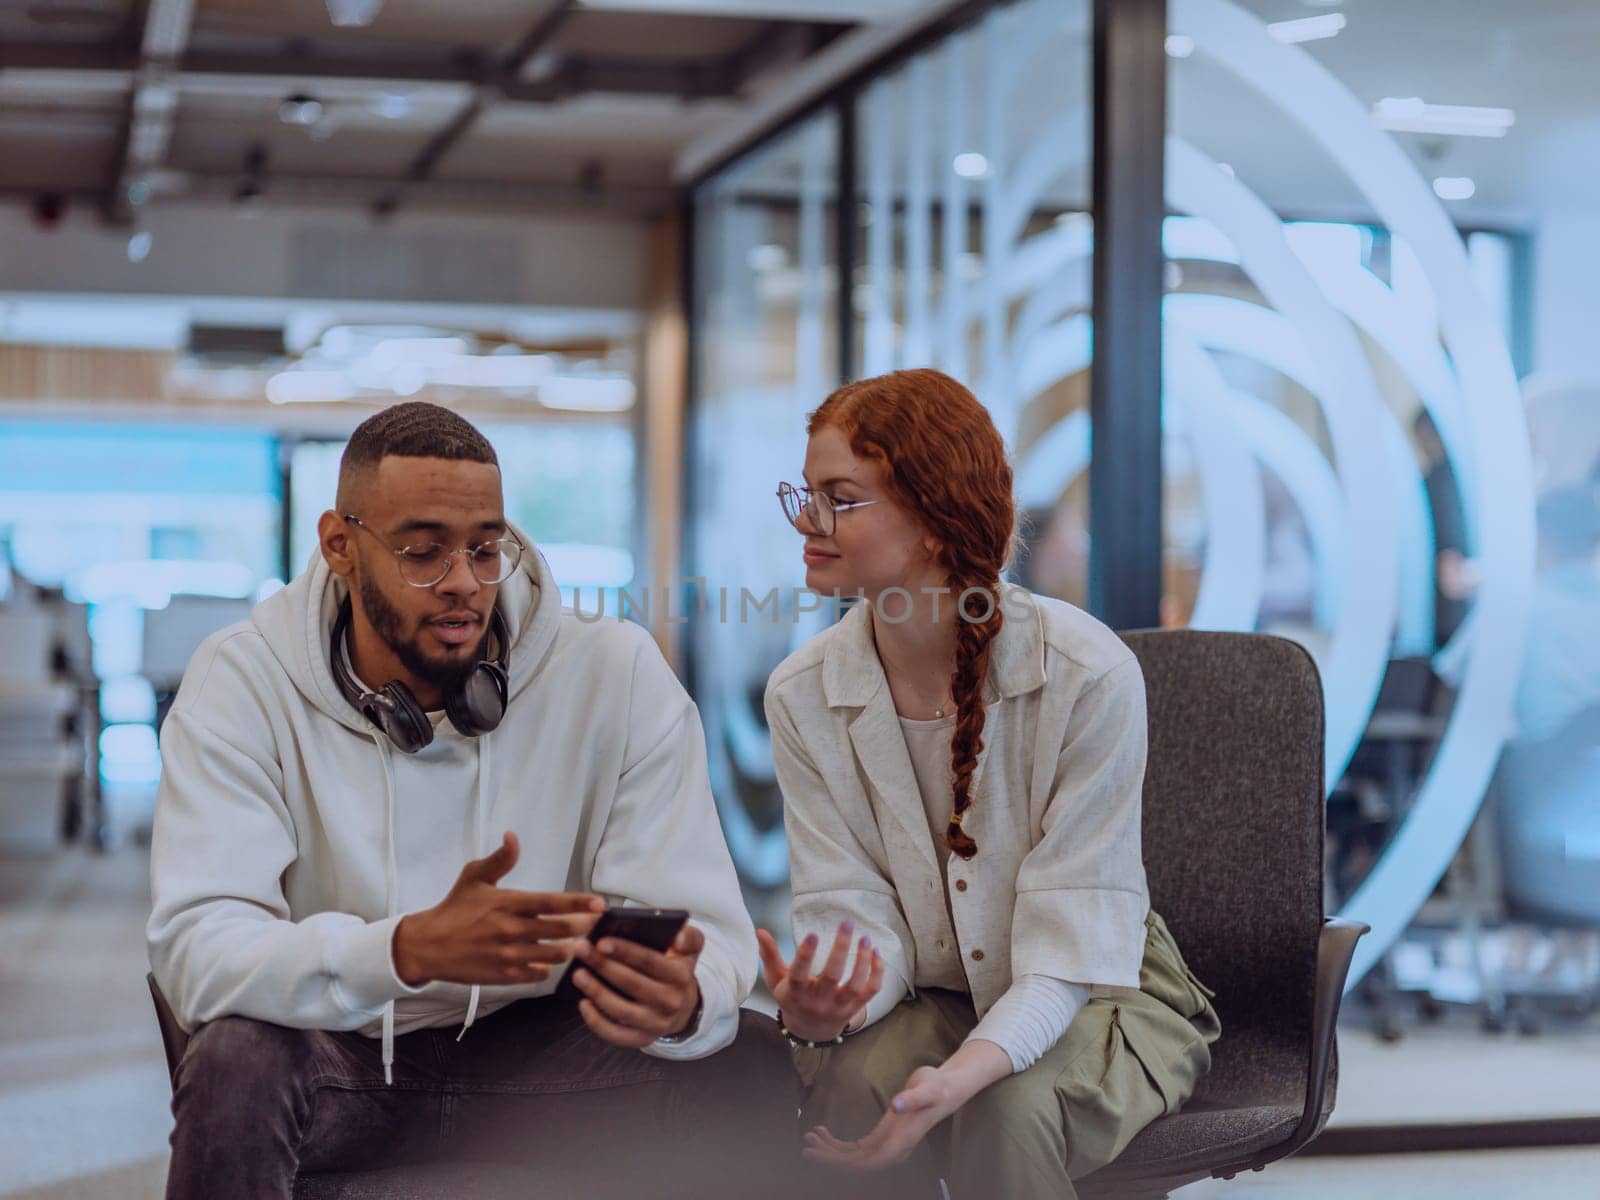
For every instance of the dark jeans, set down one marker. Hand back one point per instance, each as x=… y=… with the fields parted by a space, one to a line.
x=256 y=1104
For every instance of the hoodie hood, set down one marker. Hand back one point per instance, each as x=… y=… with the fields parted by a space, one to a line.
x=297 y=623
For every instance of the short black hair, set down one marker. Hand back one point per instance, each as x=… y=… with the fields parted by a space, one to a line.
x=415 y=429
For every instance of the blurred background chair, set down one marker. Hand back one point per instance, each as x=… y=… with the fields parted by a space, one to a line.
x=1373 y=797
x=49 y=776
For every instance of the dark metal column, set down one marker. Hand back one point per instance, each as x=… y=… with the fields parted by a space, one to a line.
x=847 y=219
x=1130 y=89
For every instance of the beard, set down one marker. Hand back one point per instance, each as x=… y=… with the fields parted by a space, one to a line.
x=444 y=674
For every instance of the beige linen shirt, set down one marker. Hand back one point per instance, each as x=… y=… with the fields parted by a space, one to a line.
x=1057 y=887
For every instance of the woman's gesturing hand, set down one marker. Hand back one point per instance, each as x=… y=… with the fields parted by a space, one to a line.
x=817 y=1007
x=927 y=1099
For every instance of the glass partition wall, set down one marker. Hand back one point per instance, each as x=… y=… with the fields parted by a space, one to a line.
x=766 y=352
x=968 y=241
x=1345 y=447
x=974 y=249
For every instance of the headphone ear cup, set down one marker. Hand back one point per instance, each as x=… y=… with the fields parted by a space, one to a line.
x=479 y=704
x=403 y=720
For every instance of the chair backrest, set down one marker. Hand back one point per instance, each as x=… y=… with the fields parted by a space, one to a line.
x=1233 y=840
x=173 y=1038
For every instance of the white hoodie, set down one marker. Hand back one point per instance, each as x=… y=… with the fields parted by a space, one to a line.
x=290 y=836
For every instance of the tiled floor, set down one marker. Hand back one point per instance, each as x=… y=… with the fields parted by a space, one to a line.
x=83 y=1085
x=1478 y=1175
x=83 y=1089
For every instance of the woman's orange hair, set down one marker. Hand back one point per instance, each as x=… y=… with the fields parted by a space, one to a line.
x=945 y=462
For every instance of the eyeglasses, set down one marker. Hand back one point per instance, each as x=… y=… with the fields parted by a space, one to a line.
x=821 y=509
x=425 y=564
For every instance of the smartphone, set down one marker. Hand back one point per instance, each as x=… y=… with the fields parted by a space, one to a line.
x=652 y=927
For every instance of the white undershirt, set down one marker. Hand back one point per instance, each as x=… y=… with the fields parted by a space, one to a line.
x=1035 y=1010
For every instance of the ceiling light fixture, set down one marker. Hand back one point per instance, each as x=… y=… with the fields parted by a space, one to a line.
x=1307 y=29
x=392 y=106
x=1179 y=45
x=1411 y=114
x=1454 y=187
x=353 y=14
x=971 y=165
x=300 y=109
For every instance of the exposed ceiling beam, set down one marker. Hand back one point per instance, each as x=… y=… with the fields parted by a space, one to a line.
x=633 y=77
x=537 y=38
x=309 y=67
x=489 y=195
x=823 y=71
x=508 y=70
x=217 y=188
x=780 y=44
x=68 y=56
x=152 y=105
x=568 y=77
x=849 y=12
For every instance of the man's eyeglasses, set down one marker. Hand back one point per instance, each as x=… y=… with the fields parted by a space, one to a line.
x=821 y=509
x=425 y=564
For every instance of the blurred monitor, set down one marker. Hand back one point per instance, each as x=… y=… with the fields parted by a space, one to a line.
x=172 y=634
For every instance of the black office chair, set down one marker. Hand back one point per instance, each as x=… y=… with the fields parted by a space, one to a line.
x=1233 y=842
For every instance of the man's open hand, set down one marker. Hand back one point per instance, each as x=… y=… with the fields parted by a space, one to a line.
x=483 y=933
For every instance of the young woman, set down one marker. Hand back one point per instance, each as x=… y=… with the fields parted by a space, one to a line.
x=961 y=765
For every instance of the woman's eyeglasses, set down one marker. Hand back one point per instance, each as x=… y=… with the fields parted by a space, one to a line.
x=819 y=508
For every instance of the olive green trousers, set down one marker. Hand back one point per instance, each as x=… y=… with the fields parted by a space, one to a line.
x=1123 y=1062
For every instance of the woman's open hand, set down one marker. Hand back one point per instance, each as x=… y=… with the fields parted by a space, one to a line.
x=926 y=1099
x=817 y=1007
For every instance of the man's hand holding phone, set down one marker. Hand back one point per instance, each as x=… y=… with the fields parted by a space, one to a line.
x=646 y=994
x=485 y=934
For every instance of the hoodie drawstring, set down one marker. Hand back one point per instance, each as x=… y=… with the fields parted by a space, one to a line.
x=479 y=792
x=389 y=890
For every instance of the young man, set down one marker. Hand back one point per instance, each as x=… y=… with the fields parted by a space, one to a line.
x=392 y=803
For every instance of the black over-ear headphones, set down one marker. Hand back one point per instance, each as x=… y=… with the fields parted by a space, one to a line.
x=474 y=707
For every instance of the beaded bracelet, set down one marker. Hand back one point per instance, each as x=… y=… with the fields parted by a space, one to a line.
x=798 y=1042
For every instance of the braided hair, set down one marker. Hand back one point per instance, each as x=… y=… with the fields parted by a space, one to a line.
x=945 y=462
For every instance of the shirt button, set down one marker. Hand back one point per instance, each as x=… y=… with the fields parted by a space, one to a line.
x=961 y=885
x=977 y=956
